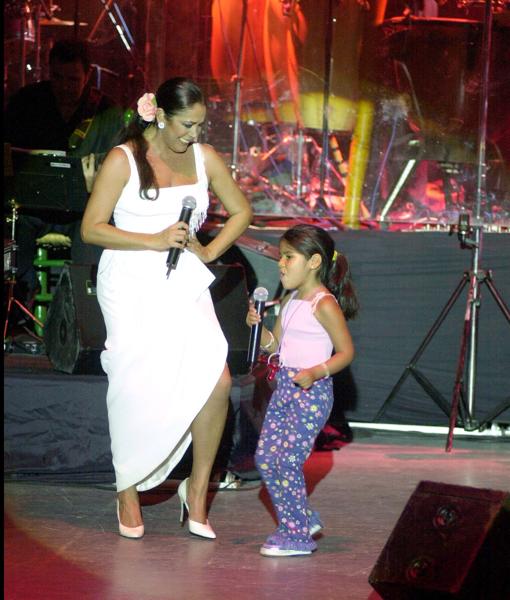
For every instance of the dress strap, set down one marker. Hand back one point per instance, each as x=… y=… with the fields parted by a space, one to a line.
x=199 y=164
x=131 y=159
x=317 y=298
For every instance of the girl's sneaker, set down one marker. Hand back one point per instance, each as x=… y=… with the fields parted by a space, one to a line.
x=277 y=551
x=278 y=545
x=316 y=524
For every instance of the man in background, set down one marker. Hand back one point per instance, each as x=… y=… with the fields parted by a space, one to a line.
x=67 y=114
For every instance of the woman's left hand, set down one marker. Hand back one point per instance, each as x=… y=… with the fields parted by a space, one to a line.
x=202 y=252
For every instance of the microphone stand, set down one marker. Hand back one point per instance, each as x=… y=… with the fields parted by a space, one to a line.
x=478 y=276
x=118 y=22
x=11 y=279
x=481 y=193
x=328 y=59
x=237 y=97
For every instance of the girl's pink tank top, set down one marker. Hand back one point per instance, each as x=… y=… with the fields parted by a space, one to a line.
x=304 y=341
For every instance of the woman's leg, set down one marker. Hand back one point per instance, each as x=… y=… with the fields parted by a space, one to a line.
x=129 y=507
x=206 y=431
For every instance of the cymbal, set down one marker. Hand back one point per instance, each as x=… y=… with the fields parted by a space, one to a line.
x=12 y=203
x=59 y=22
x=428 y=21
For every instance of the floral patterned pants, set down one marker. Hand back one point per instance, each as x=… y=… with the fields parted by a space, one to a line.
x=294 y=418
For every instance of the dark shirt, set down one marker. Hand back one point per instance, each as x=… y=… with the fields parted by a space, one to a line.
x=32 y=120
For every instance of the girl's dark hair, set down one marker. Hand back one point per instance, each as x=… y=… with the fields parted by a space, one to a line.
x=173 y=96
x=335 y=274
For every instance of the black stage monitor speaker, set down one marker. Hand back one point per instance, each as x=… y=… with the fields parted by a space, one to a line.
x=74 y=332
x=450 y=542
x=229 y=292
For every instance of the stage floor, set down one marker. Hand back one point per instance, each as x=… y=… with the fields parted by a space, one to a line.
x=61 y=540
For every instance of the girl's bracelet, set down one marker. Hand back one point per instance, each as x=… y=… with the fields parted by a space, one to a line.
x=271 y=341
x=326 y=369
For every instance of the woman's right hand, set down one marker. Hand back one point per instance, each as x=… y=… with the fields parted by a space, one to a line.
x=175 y=236
x=253 y=317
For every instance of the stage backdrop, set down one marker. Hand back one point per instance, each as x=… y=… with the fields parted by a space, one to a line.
x=56 y=423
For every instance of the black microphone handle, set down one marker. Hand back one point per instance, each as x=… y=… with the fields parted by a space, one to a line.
x=255 y=335
x=174 y=252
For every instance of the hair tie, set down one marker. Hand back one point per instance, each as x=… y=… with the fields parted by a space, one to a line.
x=335 y=256
x=147 y=107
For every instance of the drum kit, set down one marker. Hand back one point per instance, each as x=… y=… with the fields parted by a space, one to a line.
x=432 y=69
x=279 y=168
x=433 y=66
x=31 y=26
x=23 y=42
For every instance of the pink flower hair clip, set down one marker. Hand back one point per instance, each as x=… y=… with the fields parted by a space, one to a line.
x=146 y=107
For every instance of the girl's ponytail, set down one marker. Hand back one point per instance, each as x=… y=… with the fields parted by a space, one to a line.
x=340 y=285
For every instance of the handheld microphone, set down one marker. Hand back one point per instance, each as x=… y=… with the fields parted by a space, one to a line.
x=188 y=205
x=260 y=295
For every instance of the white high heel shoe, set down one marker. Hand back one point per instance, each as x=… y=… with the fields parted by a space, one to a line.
x=201 y=529
x=133 y=533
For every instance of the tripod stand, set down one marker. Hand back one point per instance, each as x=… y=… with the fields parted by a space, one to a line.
x=463 y=399
x=469 y=336
x=11 y=271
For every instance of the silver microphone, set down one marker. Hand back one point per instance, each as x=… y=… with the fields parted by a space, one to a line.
x=260 y=296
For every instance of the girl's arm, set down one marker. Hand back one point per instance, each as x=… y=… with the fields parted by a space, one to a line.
x=331 y=317
x=95 y=226
x=234 y=202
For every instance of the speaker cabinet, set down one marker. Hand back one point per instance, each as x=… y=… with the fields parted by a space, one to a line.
x=450 y=542
x=230 y=296
x=74 y=332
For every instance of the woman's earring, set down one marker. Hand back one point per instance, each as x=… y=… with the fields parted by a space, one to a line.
x=161 y=125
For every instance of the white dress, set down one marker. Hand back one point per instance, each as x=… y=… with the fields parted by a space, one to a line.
x=165 y=349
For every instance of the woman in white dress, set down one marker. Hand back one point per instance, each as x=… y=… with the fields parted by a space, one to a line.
x=165 y=352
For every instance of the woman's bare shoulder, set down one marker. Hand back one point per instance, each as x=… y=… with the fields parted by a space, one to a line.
x=117 y=156
x=210 y=154
x=116 y=164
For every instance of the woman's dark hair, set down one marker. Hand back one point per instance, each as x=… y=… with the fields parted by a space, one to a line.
x=173 y=96
x=334 y=272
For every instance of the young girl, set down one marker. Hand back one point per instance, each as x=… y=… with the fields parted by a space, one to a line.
x=311 y=342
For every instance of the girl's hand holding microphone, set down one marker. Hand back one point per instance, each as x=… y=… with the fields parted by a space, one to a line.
x=252 y=318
